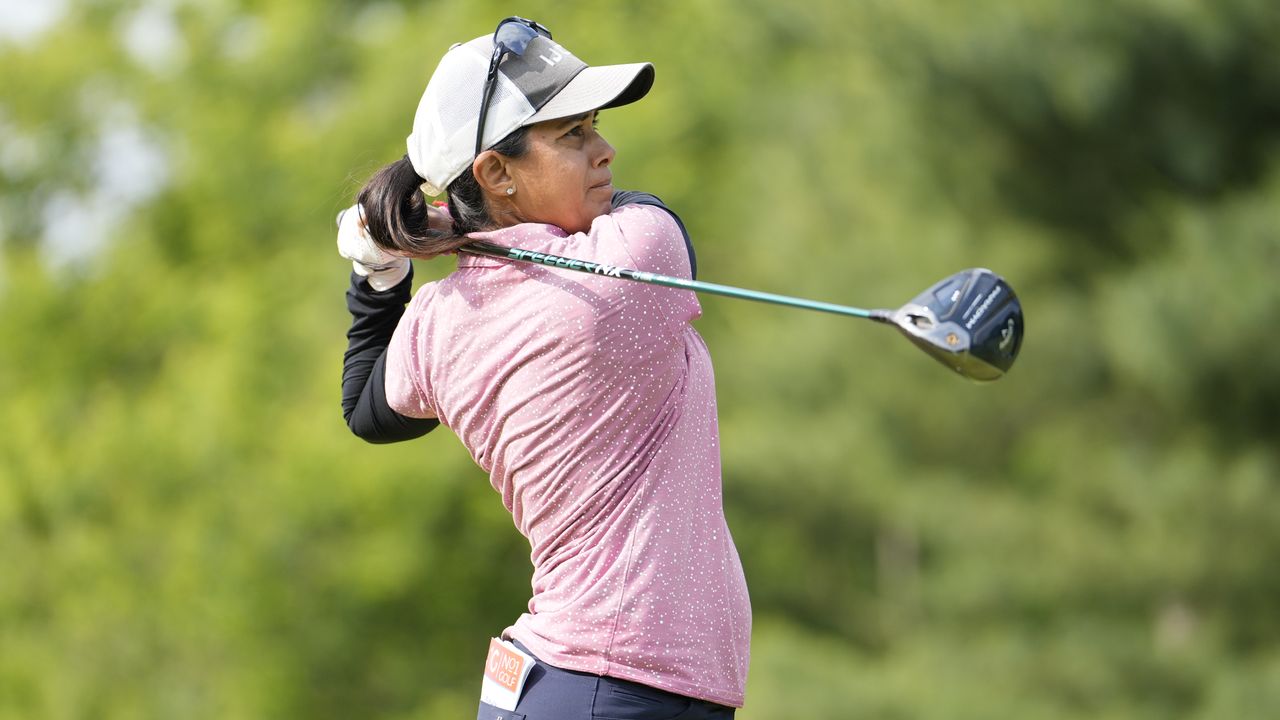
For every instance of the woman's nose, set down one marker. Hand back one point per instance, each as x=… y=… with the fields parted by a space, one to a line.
x=604 y=154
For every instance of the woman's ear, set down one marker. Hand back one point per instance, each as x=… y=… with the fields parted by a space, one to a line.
x=490 y=170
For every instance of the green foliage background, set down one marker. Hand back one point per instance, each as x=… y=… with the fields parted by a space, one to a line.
x=187 y=530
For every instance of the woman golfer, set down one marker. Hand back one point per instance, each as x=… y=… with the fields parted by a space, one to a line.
x=589 y=401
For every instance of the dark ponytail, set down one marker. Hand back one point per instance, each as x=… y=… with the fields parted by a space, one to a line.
x=395 y=209
x=395 y=212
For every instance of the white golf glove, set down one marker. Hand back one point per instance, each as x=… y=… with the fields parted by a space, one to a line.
x=382 y=269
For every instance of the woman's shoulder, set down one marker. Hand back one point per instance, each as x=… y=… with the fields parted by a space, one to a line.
x=649 y=237
x=653 y=234
x=641 y=218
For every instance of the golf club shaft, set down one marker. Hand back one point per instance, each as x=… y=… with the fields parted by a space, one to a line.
x=480 y=247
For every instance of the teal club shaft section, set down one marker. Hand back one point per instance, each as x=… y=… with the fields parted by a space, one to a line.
x=480 y=247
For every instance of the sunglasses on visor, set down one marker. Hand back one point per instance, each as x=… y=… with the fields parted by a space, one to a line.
x=511 y=37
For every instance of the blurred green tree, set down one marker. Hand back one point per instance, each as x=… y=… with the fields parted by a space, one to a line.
x=187 y=530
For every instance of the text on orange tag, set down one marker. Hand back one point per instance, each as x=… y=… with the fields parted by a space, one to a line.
x=503 y=666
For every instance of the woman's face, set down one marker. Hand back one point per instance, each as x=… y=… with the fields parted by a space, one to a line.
x=564 y=179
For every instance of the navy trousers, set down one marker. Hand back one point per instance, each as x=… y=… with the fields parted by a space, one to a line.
x=554 y=694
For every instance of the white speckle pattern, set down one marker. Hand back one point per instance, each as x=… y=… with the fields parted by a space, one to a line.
x=591 y=403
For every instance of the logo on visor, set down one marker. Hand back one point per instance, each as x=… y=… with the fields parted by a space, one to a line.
x=557 y=54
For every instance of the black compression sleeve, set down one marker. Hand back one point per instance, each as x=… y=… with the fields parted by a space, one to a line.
x=635 y=197
x=374 y=316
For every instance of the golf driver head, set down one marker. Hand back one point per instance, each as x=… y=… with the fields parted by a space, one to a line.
x=971 y=322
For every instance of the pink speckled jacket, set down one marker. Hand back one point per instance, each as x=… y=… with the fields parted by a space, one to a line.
x=590 y=401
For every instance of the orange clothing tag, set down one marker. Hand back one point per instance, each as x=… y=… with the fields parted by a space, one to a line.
x=503 y=666
x=505 y=670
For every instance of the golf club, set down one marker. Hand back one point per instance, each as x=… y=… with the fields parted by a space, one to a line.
x=971 y=321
